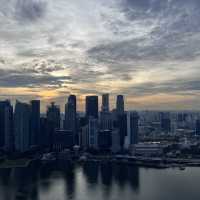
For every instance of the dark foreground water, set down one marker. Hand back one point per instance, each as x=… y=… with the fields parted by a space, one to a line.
x=99 y=182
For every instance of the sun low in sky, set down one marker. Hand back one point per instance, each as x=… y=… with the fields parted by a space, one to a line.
x=148 y=50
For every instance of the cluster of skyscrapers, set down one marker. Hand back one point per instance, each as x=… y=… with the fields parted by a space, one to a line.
x=23 y=128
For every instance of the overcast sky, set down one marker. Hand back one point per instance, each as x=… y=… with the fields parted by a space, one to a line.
x=148 y=50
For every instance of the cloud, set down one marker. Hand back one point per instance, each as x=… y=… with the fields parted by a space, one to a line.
x=135 y=47
x=30 y=78
x=30 y=10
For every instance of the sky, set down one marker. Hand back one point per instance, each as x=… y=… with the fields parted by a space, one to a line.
x=148 y=50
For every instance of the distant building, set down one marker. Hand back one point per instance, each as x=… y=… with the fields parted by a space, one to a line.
x=62 y=139
x=83 y=138
x=46 y=129
x=106 y=121
x=92 y=132
x=35 y=122
x=92 y=106
x=6 y=126
x=53 y=121
x=122 y=126
x=120 y=104
x=53 y=115
x=115 y=141
x=105 y=103
x=134 y=117
x=71 y=117
x=165 y=122
x=149 y=149
x=198 y=127
x=22 y=117
x=132 y=129
x=105 y=140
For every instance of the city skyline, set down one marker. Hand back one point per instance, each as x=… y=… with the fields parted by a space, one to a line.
x=146 y=50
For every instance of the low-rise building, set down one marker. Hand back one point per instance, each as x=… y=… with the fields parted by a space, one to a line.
x=149 y=149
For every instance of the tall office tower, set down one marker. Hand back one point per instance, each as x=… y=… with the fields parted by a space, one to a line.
x=92 y=132
x=6 y=126
x=53 y=115
x=71 y=117
x=134 y=128
x=122 y=126
x=44 y=133
x=105 y=103
x=106 y=122
x=120 y=104
x=22 y=126
x=92 y=106
x=84 y=137
x=35 y=122
x=165 y=122
x=105 y=140
x=198 y=127
x=53 y=122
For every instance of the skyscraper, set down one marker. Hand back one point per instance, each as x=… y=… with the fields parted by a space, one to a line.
x=122 y=126
x=6 y=125
x=120 y=104
x=106 y=122
x=165 y=122
x=44 y=133
x=71 y=117
x=134 y=117
x=198 y=127
x=35 y=122
x=22 y=126
x=53 y=115
x=92 y=132
x=92 y=106
x=105 y=103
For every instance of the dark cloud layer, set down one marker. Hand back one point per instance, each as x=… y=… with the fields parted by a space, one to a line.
x=30 y=78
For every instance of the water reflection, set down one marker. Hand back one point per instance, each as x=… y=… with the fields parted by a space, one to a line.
x=27 y=183
x=91 y=172
x=70 y=183
x=96 y=181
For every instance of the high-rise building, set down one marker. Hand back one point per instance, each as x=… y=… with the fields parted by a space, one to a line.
x=92 y=106
x=22 y=126
x=134 y=117
x=165 y=122
x=84 y=135
x=198 y=127
x=53 y=121
x=120 y=104
x=105 y=103
x=132 y=129
x=35 y=122
x=62 y=139
x=6 y=126
x=92 y=132
x=71 y=117
x=44 y=133
x=53 y=115
x=122 y=126
x=115 y=141
x=106 y=122
x=105 y=140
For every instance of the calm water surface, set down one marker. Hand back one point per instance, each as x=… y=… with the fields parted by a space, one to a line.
x=99 y=182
